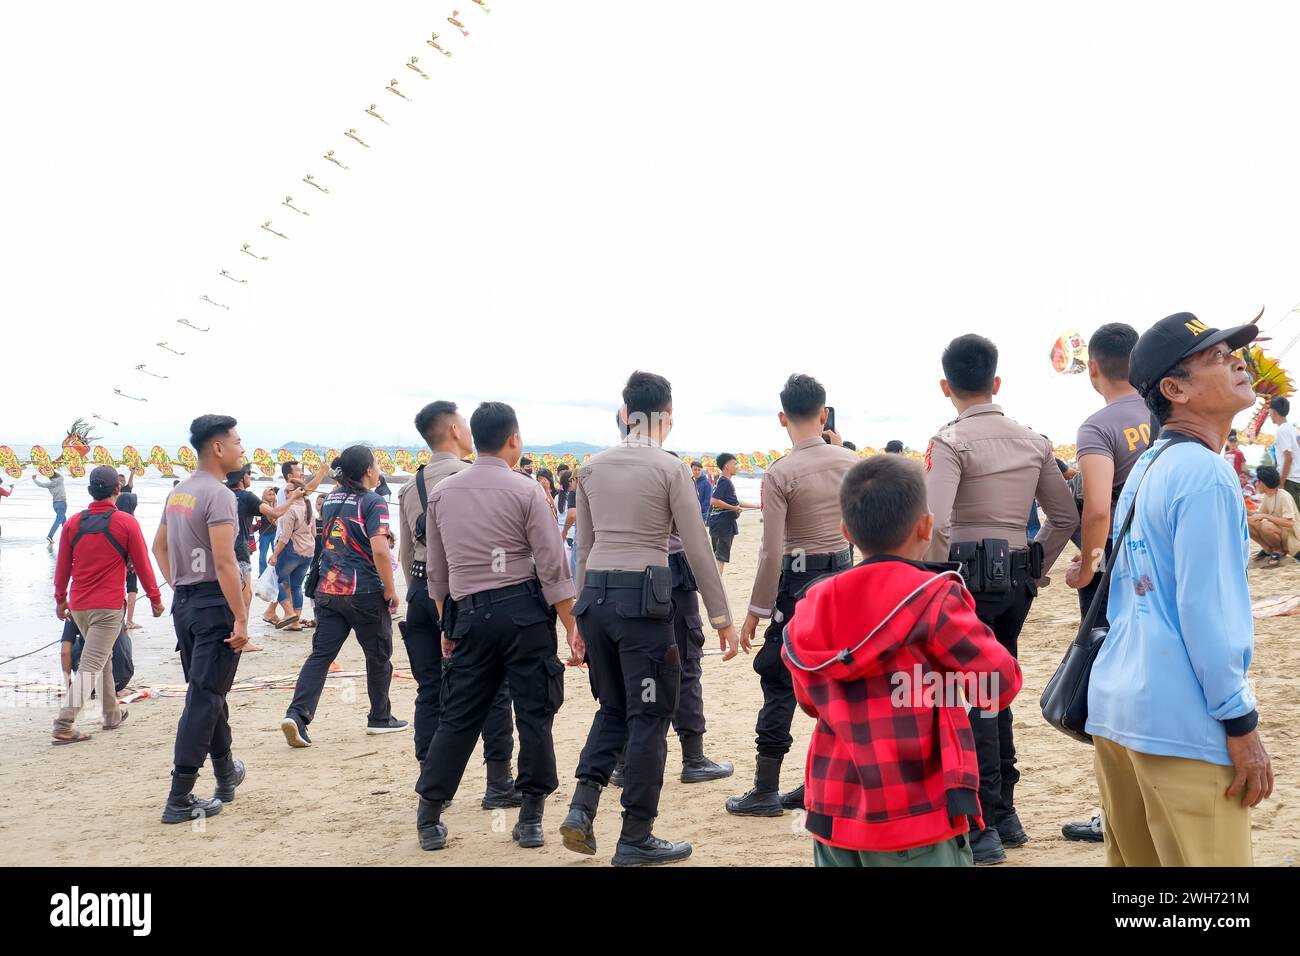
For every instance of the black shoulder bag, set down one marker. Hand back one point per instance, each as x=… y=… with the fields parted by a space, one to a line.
x=1065 y=698
x=423 y=516
x=313 y=573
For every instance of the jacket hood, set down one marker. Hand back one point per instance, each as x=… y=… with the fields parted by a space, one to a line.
x=851 y=625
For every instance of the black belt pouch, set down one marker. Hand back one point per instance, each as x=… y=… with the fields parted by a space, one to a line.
x=657 y=593
x=996 y=565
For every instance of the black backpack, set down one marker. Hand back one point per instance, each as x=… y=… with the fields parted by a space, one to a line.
x=98 y=523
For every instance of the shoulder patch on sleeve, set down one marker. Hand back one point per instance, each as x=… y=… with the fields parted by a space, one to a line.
x=928 y=448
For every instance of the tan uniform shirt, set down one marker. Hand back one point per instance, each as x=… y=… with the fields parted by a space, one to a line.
x=629 y=497
x=983 y=472
x=490 y=527
x=801 y=512
x=441 y=464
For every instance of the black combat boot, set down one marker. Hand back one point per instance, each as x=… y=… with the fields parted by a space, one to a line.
x=500 y=793
x=793 y=799
x=616 y=778
x=697 y=768
x=230 y=774
x=576 y=830
x=1010 y=829
x=432 y=831
x=528 y=831
x=182 y=806
x=637 y=846
x=764 y=799
x=986 y=847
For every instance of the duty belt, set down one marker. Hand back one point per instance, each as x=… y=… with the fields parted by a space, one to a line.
x=418 y=570
x=497 y=595
x=813 y=563
x=609 y=580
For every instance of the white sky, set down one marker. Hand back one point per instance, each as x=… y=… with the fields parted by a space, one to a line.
x=722 y=191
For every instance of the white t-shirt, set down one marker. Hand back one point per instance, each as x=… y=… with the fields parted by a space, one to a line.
x=1285 y=441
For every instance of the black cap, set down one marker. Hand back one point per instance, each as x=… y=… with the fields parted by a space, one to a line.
x=103 y=480
x=236 y=477
x=1171 y=340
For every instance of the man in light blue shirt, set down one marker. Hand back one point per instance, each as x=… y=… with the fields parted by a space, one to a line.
x=1169 y=705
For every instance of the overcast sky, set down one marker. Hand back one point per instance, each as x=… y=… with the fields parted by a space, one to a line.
x=723 y=192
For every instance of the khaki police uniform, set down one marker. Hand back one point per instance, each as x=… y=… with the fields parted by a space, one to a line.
x=983 y=472
x=629 y=498
x=422 y=631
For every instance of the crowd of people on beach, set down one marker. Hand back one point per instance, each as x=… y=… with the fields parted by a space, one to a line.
x=893 y=592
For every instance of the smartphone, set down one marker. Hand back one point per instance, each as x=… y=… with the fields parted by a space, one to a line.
x=830 y=419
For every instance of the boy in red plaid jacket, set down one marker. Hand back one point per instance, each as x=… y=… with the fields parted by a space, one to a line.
x=886 y=656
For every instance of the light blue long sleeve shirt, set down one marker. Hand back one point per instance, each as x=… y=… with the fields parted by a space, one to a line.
x=1181 y=634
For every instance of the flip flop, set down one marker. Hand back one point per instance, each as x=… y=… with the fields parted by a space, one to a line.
x=294 y=627
x=286 y=621
x=125 y=713
x=76 y=738
x=1273 y=560
x=307 y=623
x=134 y=627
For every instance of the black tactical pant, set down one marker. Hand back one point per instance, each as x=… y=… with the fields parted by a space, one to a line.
x=337 y=615
x=995 y=748
x=635 y=669
x=772 y=731
x=422 y=635
x=688 y=629
x=203 y=622
x=512 y=638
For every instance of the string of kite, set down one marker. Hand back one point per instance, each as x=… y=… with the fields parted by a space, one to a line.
x=339 y=161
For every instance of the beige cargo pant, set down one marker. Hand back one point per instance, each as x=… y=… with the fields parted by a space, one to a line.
x=100 y=629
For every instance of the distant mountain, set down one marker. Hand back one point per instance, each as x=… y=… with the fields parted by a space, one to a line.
x=575 y=448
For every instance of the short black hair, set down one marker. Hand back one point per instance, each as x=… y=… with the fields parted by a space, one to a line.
x=803 y=397
x=429 y=421
x=1281 y=405
x=724 y=458
x=646 y=393
x=893 y=447
x=881 y=500
x=970 y=363
x=849 y=445
x=1269 y=475
x=696 y=464
x=1160 y=406
x=1111 y=345
x=236 y=478
x=525 y=461
x=492 y=424
x=286 y=467
x=207 y=427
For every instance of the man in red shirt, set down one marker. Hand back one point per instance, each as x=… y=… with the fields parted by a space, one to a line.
x=93 y=552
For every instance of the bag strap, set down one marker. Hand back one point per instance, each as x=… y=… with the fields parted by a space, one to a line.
x=1085 y=626
x=422 y=491
x=82 y=531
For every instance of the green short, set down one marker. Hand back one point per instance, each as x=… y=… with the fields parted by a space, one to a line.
x=954 y=852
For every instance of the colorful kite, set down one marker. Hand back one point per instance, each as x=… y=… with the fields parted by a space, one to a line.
x=1269 y=380
x=486 y=8
x=371 y=111
x=310 y=180
x=267 y=226
x=1070 y=353
x=196 y=328
x=352 y=134
x=209 y=302
x=392 y=88
x=247 y=250
x=456 y=23
x=164 y=345
x=118 y=391
x=141 y=368
x=414 y=65
x=434 y=43
x=288 y=201
x=329 y=155
x=232 y=278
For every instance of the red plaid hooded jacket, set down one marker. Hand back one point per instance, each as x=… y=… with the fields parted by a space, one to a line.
x=891 y=765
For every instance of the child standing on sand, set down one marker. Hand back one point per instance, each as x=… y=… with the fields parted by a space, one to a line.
x=886 y=656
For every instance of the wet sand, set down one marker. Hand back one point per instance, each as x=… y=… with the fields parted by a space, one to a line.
x=349 y=799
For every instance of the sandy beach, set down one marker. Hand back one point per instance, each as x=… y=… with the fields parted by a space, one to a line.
x=350 y=800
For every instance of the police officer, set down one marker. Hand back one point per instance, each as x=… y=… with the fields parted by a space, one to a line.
x=983 y=473
x=801 y=543
x=628 y=498
x=447 y=434
x=195 y=548
x=495 y=557
x=688 y=628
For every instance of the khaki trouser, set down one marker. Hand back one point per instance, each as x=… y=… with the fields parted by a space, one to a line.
x=100 y=629
x=1169 y=811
